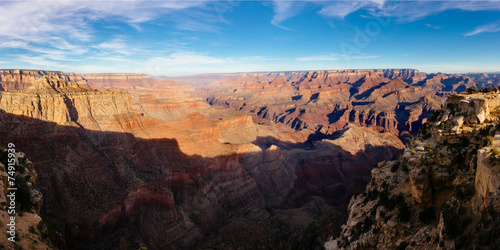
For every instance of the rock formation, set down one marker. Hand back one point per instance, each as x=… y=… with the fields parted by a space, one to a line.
x=396 y=101
x=113 y=178
x=30 y=230
x=15 y=79
x=444 y=191
x=53 y=99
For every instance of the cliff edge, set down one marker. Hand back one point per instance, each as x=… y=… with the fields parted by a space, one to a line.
x=444 y=191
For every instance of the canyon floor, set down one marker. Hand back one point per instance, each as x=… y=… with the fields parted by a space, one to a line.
x=256 y=160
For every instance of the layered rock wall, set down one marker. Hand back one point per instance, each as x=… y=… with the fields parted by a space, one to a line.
x=53 y=99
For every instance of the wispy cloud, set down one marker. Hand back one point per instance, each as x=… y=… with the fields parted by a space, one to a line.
x=65 y=30
x=189 y=62
x=405 y=11
x=284 y=10
x=493 y=27
x=40 y=61
x=343 y=8
x=432 y=26
x=334 y=57
x=117 y=45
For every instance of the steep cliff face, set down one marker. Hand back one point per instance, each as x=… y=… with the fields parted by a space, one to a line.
x=53 y=99
x=30 y=230
x=444 y=191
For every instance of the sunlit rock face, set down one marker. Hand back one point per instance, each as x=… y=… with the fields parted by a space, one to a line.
x=53 y=99
x=396 y=101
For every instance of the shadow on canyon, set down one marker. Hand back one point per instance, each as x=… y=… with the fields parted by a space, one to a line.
x=111 y=190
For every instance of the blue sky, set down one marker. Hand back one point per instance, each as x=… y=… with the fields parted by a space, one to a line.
x=189 y=37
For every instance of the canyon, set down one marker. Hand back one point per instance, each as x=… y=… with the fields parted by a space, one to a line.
x=128 y=161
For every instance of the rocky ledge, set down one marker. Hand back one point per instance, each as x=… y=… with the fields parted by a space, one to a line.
x=444 y=191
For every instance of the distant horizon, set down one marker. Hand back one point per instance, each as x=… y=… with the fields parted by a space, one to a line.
x=247 y=72
x=178 y=38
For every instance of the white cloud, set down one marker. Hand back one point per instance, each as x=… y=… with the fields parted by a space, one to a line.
x=40 y=61
x=117 y=45
x=284 y=10
x=408 y=11
x=334 y=57
x=432 y=26
x=493 y=27
x=343 y=8
x=63 y=29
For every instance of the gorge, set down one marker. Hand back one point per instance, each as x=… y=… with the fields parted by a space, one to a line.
x=127 y=161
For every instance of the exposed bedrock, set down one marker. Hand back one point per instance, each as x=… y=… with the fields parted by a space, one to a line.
x=396 y=101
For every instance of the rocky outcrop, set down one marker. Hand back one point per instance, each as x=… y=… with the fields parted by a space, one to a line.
x=444 y=191
x=30 y=230
x=53 y=99
x=15 y=79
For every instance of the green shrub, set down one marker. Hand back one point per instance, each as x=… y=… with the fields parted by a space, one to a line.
x=429 y=149
x=434 y=116
x=404 y=167
x=427 y=136
x=441 y=125
x=394 y=167
x=495 y=152
x=488 y=89
x=403 y=245
x=484 y=131
x=490 y=140
x=454 y=220
x=464 y=191
x=23 y=194
x=47 y=228
x=472 y=91
x=21 y=169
